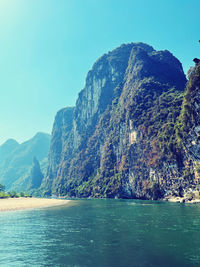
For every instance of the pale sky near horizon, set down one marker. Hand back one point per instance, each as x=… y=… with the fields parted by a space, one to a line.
x=48 y=46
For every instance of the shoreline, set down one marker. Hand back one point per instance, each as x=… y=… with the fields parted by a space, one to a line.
x=22 y=203
x=182 y=200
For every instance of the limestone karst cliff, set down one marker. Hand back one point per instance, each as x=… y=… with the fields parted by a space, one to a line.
x=61 y=133
x=36 y=176
x=128 y=135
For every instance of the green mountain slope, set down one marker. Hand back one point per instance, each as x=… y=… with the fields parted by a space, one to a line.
x=16 y=160
x=134 y=132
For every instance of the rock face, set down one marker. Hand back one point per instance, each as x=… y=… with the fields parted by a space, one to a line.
x=122 y=138
x=16 y=160
x=189 y=134
x=36 y=175
x=61 y=133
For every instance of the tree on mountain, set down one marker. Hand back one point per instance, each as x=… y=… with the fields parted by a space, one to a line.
x=196 y=60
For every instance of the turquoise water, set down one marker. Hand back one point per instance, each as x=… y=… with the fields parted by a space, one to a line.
x=102 y=233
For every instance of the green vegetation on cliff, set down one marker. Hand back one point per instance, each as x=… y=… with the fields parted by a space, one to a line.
x=130 y=146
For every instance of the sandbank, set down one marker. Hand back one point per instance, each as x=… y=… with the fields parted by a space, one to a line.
x=9 y=204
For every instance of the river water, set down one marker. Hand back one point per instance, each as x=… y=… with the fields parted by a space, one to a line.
x=102 y=233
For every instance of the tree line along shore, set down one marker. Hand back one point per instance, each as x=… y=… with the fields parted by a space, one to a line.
x=12 y=194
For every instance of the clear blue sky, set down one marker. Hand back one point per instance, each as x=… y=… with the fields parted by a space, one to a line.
x=48 y=46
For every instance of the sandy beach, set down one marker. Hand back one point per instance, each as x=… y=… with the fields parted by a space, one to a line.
x=21 y=203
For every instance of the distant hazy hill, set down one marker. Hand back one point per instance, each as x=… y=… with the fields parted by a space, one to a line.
x=16 y=160
x=7 y=148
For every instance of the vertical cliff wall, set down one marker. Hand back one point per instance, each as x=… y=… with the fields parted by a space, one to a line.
x=120 y=137
x=62 y=128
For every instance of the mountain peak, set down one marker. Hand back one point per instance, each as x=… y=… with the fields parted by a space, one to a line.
x=7 y=147
x=108 y=145
x=41 y=134
x=10 y=142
